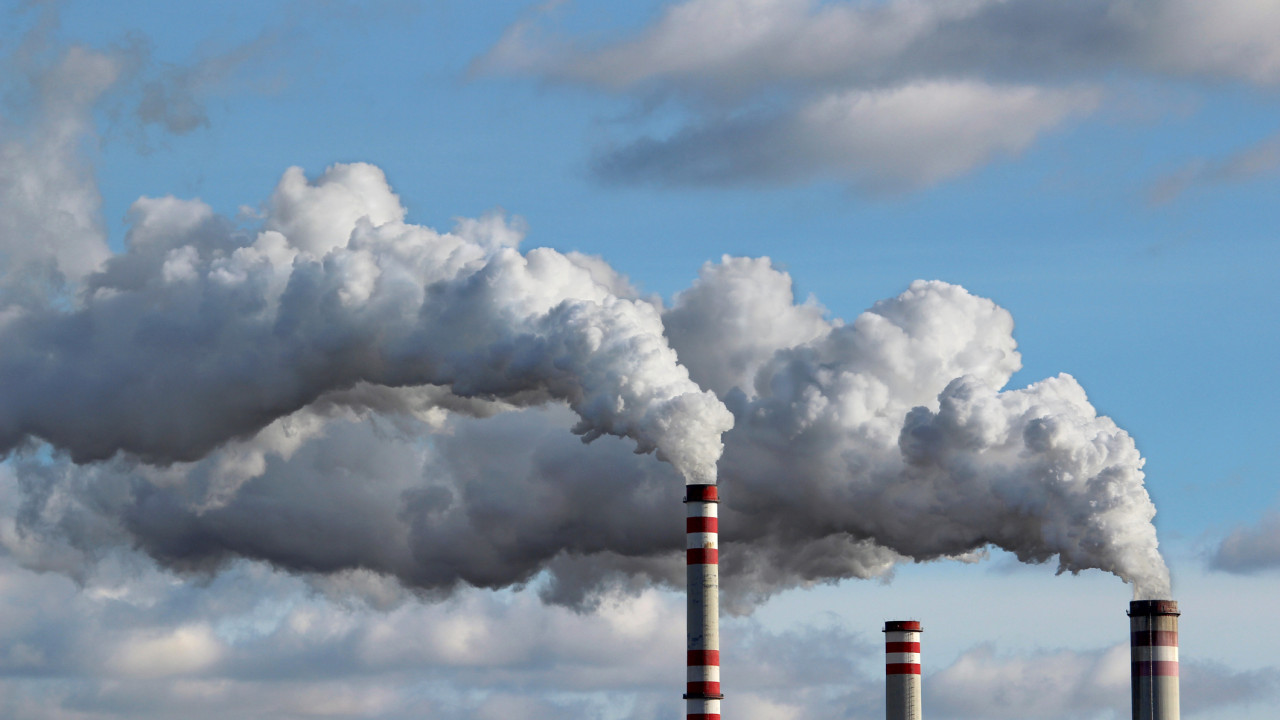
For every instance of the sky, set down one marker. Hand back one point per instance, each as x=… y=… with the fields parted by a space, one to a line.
x=307 y=307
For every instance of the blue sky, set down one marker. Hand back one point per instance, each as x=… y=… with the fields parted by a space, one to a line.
x=1105 y=171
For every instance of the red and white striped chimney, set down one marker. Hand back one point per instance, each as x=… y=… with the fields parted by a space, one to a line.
x=702 y=557
x=1153 y=644
x=902 y=669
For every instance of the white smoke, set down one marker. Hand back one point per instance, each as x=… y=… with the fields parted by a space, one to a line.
x=200 y=334
x=894 y=430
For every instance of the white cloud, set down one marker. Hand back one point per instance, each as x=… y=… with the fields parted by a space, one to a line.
x=719 y=46
x=50 y=230
x=1047 y=684
x=920 y=134
x=868 y=93
x=255 y=643
x=1063 y=684
x=185 y=650
x=1235 y=39
x=901 y=138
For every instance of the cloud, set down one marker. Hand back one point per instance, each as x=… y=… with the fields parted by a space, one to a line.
x=1259 y=159
x=257 y=644
x=1061 y=684
x=780 y=91
x=1048 y=684
x=1207 y=687
x=721 y=47
x=1250 y=549
x=183 y=651
x=174 y=97
x=50 y=230
x=904 y=138
x=51 y=234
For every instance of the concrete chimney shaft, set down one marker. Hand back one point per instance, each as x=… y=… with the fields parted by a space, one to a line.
x=1153 y=643
x=902 y=670
x=702 y=558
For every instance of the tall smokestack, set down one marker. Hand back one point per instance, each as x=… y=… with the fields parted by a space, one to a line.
x=702 y=694
x=1153 y=627
x=902 y=669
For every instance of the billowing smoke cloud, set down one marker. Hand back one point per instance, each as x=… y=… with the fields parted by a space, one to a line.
x=892 y=432
x=199 y=334
x=314 y=393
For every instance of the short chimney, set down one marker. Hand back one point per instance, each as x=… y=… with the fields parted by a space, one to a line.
x=902 y=669
x=1153 y=643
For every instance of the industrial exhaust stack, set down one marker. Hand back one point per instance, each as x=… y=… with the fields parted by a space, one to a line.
x=902 y=669
x=1153 y=627
x=702 y=557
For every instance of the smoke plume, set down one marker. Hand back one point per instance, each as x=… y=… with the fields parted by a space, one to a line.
x=198 y=335
x=892 y=433
x=344 y=394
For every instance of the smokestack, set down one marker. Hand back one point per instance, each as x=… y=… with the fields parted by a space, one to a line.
x=902 y=669
x=702 y=557
x=1153 y=627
